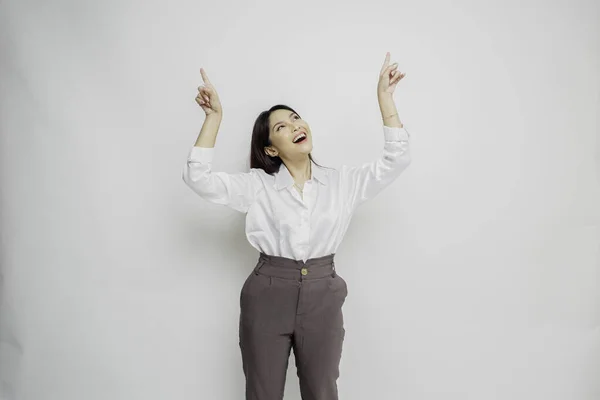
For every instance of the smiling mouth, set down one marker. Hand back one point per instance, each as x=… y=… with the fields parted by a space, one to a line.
x=305 y=136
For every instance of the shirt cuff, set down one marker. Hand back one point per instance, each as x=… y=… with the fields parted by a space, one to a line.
x=395 y=134
x=201 y=154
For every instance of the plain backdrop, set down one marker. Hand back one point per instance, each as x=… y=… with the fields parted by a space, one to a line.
x=475 y=275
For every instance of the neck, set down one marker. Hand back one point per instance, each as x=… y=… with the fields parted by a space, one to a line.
x=299 y=169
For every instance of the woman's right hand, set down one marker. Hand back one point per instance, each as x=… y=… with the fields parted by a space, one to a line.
x=207 y=97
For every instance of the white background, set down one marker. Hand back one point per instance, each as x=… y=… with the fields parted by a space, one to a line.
x=475 y=275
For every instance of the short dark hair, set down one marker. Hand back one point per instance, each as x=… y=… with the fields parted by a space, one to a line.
x=260 y=140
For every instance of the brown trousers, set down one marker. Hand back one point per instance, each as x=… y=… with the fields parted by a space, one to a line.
x=291 y=304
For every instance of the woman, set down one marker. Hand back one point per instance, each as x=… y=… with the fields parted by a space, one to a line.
x=293 y=298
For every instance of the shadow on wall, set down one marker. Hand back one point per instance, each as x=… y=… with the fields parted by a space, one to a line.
x=10 y=348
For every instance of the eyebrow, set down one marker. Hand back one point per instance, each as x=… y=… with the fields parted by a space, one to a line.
x=280 y=122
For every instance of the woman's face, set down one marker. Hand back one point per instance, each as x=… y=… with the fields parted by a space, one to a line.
x=284 y=126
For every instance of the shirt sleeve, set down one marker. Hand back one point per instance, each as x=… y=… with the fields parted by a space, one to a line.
x=364 y=182
x=237 y=190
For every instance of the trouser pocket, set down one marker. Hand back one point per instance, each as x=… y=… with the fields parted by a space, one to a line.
x=254 y=282
x=338 y=286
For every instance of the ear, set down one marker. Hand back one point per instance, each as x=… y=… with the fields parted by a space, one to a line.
x=271 y=152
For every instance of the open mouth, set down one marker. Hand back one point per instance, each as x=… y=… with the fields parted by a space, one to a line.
x=301 y=138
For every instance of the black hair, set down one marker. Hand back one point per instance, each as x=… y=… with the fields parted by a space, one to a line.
x=260 y=140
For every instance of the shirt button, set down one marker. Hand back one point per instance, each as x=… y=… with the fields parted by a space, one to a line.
x=304 y=271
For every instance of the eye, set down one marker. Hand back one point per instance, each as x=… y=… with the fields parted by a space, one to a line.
x=296 y=115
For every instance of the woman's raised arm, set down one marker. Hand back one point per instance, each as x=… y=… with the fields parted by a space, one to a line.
x=238 y=190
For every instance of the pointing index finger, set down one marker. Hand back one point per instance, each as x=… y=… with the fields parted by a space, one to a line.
x=385 y=63
x=204 y=76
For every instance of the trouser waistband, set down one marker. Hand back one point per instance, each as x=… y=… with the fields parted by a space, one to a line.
x=289 y=268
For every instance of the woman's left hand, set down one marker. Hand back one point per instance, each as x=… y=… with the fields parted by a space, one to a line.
x=389 y=76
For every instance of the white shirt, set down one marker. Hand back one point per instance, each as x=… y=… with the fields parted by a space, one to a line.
x=278 y=221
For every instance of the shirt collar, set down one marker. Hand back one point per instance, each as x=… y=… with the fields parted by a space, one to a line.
x=284 y=179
